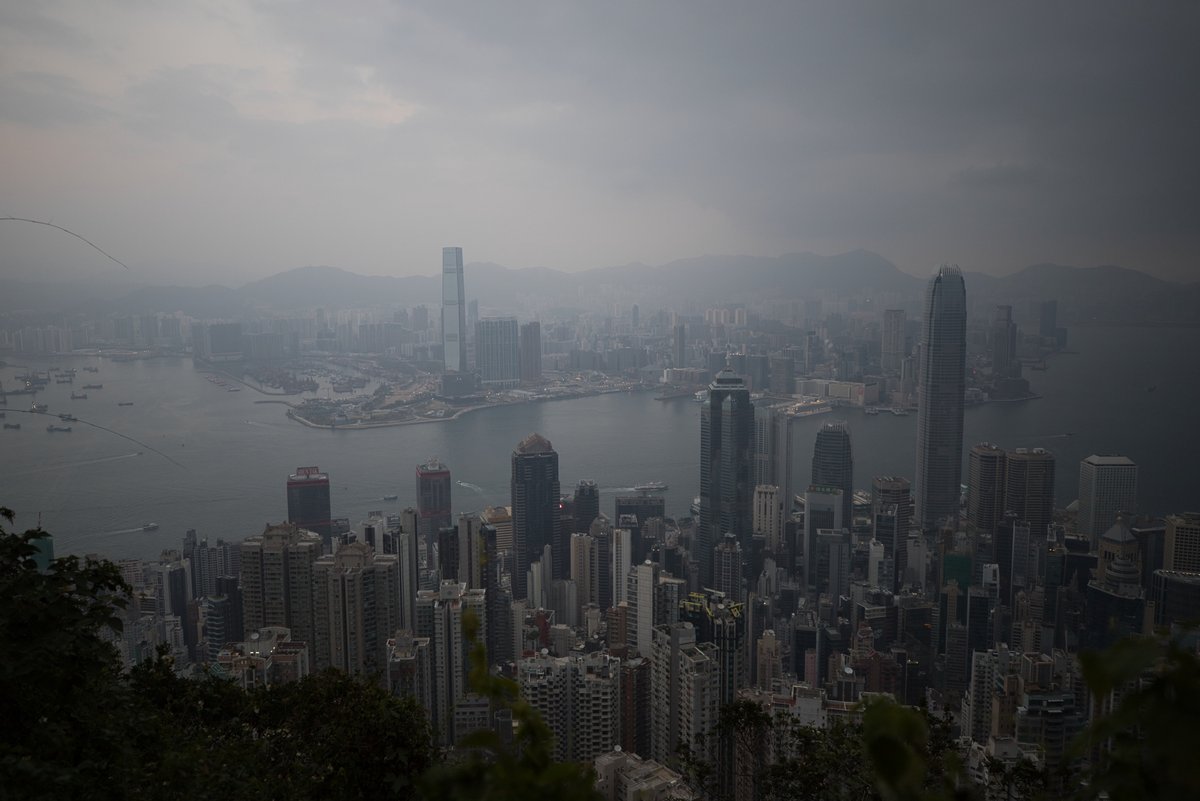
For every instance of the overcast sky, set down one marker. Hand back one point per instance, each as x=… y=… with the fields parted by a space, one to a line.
x=224 y=141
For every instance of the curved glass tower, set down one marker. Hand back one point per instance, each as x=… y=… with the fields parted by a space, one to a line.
x=941 y=383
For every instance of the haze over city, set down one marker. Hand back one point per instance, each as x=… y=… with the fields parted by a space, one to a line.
x=225 y=142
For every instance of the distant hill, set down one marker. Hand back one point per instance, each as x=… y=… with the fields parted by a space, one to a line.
x=1090 y=294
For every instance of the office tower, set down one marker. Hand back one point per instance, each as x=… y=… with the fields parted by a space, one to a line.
x=783 y=374
x=727 y=568
x=832 y=564
x=766 y=423
x=1029 y=488
x=822 y=510
x=889 y=491
x=440 y=616
x=1107 y=485
x=1181 y=545
x=767 y=660
x=1004 y=344
x=892 y=348
x=447 y=554
x=833 y=464
x=531 y=352
x=308 y=503
x=941 y=384
x=684 y=693
x=768 y=516
x=535 y=495
x=356 y=597
x=498 y=352
x=454 y=311
x=985 y=486
x=602 y=532
x=471 y=550
x=587 y=505
x=679 y=346
x=726 y=445
x=641 y=590
x=277 y=580
x=433 y=500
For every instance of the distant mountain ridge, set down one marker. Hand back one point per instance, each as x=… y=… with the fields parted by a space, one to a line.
x=1103 y=294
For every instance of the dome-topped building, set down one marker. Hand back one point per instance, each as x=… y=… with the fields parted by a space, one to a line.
x=1117 y=543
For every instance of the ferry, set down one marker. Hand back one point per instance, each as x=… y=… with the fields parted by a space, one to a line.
x=68 y=418
x=79 y=396
x=58 y=428
x=810 y=407
x=38 y=407
x=871 y=410
x=899 y=412
x=701 y=396
x=651 y=486
x=390 y=497
x=150 y=527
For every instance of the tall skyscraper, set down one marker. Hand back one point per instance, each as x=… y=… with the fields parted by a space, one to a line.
x=892 y=350
x=941 y=384
x=833 y=464
x=454 y=311
x=985 y=486
x=498 y=352
x=531 y=352
x=1107 y=485
x=822 y=510
x=308 y=503
x=587 y=505
x=726 y=486
x=1004 y=344
x=679 y=346
x=535 y=519
x=768 y=516
x=433 y=499
x=1029 y=488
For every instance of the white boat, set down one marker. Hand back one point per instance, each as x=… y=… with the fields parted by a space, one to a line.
x=390 y=497
x=150 y=527
x=651 y=486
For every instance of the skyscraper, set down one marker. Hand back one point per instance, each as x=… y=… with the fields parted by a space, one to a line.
x=356 y=595
x=531 y=352
x=308 y=503
x=1004 y=344
x=587 y=505
x=535 y=519
x=726 y=448
x=679 y=346
x=433 y=499
x=454 y=311
x=941 y=384
x=985 y=486
x=833 y=464
x=1107 y=485
x=892 y=350
x=498 y=352
x=277 y=580
x=1029 y=487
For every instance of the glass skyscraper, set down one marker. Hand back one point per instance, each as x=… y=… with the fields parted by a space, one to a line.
x=833 y=464
x=454 y=311
x=941 y=383
x=536 y=521
x=726 y=477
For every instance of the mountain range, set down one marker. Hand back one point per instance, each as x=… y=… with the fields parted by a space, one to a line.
x=1093 y=294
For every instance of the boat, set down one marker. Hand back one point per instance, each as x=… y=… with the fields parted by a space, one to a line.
x=68 y=418
x=390 y=497
x=91 y=369
x=62 y=381
x=651 y=486
x=899 y=412
x=150 y=527
x=79 y=396
x=58 y=428
x=14 y=426
x=38 y=407
x=871 y=410
x=93 y=386
x=701 y=396
x=125 y=403
x=234 y=389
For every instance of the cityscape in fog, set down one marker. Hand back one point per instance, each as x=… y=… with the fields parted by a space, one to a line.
x=703 y=378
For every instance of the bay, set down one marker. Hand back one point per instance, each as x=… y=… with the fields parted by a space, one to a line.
x=225 y=458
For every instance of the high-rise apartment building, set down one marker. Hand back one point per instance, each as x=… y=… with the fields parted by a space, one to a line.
x=308 y=503
x=531 y=352
x=833 y=464
x=498 y=352
x=535 y=519
x=685 y=687
x=985 y=486
x=440 y=616
x=1107 y=485
x=277 y=580
x=726 y=487
x=892 y=350
x=454 y=311
x=941 y=384
x=356 y=596
x=1181 y=545
x=768 y=516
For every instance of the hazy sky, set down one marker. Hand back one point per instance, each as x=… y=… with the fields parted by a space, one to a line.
x=225 y=141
